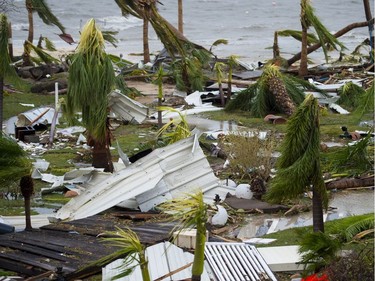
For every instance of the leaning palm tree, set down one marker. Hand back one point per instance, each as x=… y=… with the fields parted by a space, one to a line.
x=274 y=92
x=46 y=15
x=5 y=61
x=192 y=57
x=298 y=168
x=327 y=40
x=191 y=211
x=132 y=248
x=91 y=78
x=14 y=165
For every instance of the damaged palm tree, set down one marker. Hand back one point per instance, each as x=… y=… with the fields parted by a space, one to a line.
x=274 y=92
x=91 y=79
x=46 y=15
x=132 y=249
x=191 y=57
x=14 y=164
x=298 y=168
x=191 y=211
x=326 y=39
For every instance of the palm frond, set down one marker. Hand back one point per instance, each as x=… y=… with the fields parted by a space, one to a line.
x=174 y=130
x=296 y=34
x=50 y=46
x=218 y=42
x=45 y=14
x=131 y=248
x=358 y=227
x=318 y=250
x=366 y=101
x=355 y=158
x=109 y=36
x=326 y=39
x=349 y=95
x=41 y=56
x=190 y=210
x=14 y=162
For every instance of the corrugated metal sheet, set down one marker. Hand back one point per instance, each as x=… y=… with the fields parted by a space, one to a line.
x=127 y=108
x=25 y=118
x=237 y=262
x=163 y=258
x=165 y=173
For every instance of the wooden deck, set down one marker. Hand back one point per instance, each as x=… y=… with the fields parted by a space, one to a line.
x=71 y=245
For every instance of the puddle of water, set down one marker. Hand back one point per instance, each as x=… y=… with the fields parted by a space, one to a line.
x=204 y=125
x=343 y=204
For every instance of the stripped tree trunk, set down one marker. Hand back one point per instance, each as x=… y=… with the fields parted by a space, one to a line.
x=146 y=47
x=317 y=211
x=351 y=183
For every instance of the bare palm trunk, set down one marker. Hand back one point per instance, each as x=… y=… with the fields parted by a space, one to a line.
x=198 y=263
x=27 y=190
x=180 y=17
x=101 y=157
x=30 y=37
x=366 y=4
x=146 y=47
x=276 y=50
x=317 y=209
x=10 y=41
x=303 y=64
x=29 y=8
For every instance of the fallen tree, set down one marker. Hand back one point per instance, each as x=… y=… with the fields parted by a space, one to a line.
x=351 y=182
x=339 y=33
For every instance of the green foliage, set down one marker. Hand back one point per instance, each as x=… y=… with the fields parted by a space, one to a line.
x=366 y=101
x=259 y=100
x=91 y=79
x=45 y=13
x=326 y=39
x=174 y=130
x=109 y=36
x=131 y=248
x=218 y=42
x=355 y=158
x=318 y=250
x=298 y=167
x=191 y=211
x=350 y=95
x=311 y=38
x=41 y=56
x=13 y=160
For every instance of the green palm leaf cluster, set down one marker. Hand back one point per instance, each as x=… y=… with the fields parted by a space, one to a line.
x=191 y=211
x=318 y=250
x=258 y=98
x=91 y=78
x=298 y=167
x=356 y=158
x=350 y=95
x=7 y=71
x=326 y=39
x=366 y=101
x=174 y=130
x=45 y=14
x=14 y=163
x=41 y=55
x=311 y=38
x=132 y=249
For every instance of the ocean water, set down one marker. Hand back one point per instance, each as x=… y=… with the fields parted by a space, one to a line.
x=248 y=25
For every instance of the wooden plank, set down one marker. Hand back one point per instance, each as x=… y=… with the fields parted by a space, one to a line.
x=20 y=268
x=35 y=250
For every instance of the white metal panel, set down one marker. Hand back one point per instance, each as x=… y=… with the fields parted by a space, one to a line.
x=237 y=262
x=127 y=108
x=173 y=170
x=282 y=258
x=163 y=258
x=25 y=118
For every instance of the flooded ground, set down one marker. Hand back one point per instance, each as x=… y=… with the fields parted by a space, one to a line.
x=342 y=204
